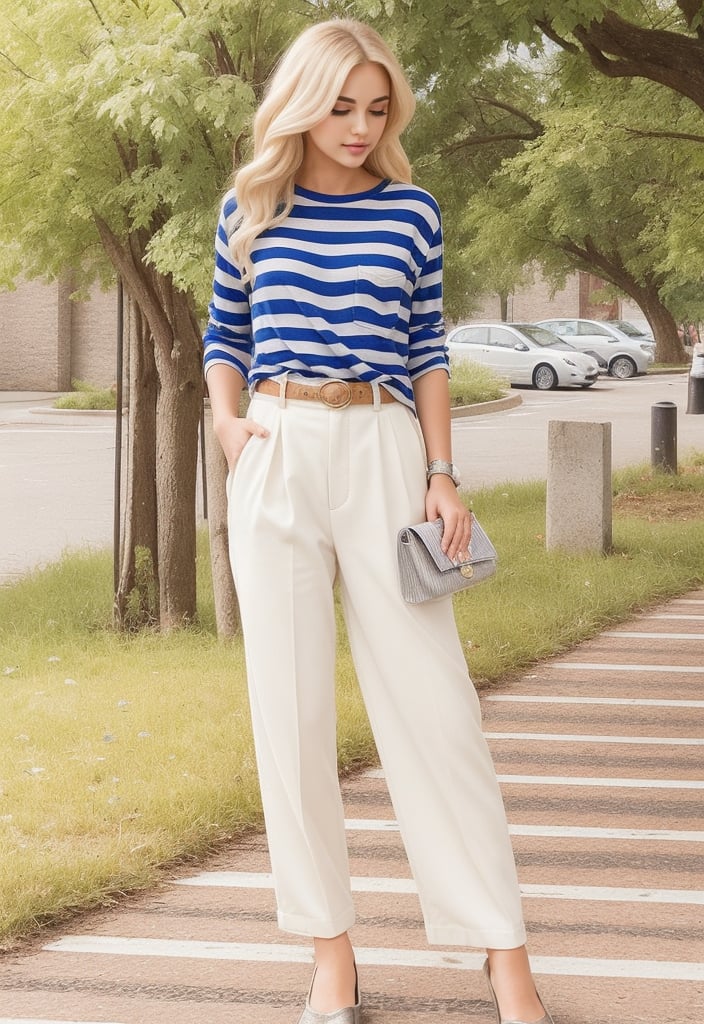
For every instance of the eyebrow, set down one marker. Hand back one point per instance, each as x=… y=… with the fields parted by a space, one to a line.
x=347 y=99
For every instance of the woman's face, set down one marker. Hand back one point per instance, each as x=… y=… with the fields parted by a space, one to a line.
x=354 y=126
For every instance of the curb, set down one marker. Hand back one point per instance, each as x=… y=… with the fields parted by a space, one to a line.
x=45 y=410
x=498 y=405
x=479 y=409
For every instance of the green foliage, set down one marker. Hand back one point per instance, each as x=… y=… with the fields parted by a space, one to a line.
x=86 y=396
x=125 y=114
x=471 y=383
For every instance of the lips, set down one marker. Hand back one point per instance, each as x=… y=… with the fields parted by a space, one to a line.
x=356 y=147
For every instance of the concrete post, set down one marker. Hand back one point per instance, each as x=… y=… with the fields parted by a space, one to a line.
x=578 y=514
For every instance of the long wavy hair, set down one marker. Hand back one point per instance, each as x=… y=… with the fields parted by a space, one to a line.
x=301 y=93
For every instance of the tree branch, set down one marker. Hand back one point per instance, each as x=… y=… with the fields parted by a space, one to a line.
x=623 y=49
x=641 y=134
x=509 y=108
x=128 y=154
x=179 y=7
x=97 y=13
x=481 y=140
x=546 y=28
x=11 y=62
x=690 y=9
x=223 y=57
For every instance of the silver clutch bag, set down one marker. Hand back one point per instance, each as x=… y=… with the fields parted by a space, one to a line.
x=425 y=571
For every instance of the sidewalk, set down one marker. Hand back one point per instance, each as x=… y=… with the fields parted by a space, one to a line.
x=599 y=754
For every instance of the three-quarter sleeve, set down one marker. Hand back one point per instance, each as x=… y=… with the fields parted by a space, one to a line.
x=228 y=336
x=426 y=327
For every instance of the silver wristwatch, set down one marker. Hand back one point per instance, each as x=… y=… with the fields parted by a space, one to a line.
x=446 y=468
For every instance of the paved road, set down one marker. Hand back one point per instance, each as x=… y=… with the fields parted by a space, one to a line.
x=513 y=445
x=56 y=472
x=599 y=754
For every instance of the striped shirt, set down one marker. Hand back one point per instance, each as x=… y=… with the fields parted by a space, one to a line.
x=346 y=287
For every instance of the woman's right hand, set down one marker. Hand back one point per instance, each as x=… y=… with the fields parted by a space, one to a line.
x=234 y=433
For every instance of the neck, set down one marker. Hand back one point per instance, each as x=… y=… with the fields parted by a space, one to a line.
x=336 y=181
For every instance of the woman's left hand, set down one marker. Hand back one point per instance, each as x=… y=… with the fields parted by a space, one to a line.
x=442 y=500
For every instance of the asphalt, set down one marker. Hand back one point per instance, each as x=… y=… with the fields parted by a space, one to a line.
x=599 y=754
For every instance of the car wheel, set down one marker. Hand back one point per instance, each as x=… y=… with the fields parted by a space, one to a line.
x=544 y=377
x=622 y=367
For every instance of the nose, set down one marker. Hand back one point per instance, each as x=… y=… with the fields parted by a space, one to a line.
x=359 y=126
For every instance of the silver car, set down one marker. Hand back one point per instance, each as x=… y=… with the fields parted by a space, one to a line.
x=523 y=354
x=625 y=356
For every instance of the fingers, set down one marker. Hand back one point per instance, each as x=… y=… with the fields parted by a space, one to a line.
x=458 y=537
x=255 y=428
x=239 y=435
x=457 y=532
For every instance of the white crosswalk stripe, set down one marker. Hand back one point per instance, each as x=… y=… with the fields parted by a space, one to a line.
x=280 y=953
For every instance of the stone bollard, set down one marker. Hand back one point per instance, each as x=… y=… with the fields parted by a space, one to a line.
x=578 y=516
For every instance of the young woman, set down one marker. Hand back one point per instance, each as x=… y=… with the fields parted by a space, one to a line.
x=327 y=304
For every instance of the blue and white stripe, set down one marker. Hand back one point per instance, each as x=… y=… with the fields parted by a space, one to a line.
x=347 y=286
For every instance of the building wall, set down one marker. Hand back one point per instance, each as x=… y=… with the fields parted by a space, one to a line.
x=94 y=326
x=47 y=339
x=538 y=302
x=34 y=338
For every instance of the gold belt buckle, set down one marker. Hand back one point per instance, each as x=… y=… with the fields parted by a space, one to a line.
x=336 y=394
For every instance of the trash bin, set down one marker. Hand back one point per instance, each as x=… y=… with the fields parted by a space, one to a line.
x=695 y=392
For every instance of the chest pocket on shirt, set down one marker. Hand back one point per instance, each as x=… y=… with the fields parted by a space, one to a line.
x=377 y=298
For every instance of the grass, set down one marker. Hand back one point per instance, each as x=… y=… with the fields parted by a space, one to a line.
x=669 y=368
x=87 y=396
x=122 y=754
x=471 y=383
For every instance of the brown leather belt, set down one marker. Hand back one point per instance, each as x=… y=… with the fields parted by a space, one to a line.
x=336 y=394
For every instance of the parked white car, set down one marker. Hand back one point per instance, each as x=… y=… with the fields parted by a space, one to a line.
x=523 y=354
x=625 y=356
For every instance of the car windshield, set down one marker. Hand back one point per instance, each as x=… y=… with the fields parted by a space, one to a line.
x=538 y=334
x=629 y=329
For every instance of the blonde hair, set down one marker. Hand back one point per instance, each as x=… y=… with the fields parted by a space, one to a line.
x=302 y=92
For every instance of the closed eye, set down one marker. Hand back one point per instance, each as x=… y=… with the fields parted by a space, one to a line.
x=340 y=112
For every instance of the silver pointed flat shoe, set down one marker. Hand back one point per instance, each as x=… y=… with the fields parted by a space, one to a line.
x=347 y=1015
x=547 y=1019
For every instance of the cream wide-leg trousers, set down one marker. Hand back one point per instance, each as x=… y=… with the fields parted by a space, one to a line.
x=324 y=496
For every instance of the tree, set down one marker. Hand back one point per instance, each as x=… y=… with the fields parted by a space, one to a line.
x=594 y=194
x=659 y=40
x=117 y=132
x=470 y=119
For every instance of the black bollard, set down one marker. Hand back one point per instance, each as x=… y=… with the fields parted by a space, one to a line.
x=663 y=437
x=695 y=395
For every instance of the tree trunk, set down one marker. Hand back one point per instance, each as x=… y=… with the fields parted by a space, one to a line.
x=669 y=348
x=227 y=613
x=137 y=598
x=177 y=417
x=587 y=257
x=171 y=321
